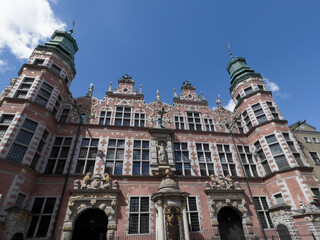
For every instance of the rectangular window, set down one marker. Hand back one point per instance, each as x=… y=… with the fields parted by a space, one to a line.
x=279 y=198
x=5 y=122
x=273 y=111
x=105 y=118
x=238 y=97
x=315 y=140
x=315 y=157
x=194 y=121
x=44 y=94
x=262 y=157
x=192 y=213
x=139 y=119
x=240 y=128
x=226 y=160
x=307 y=139
x=260 y=87
x=248 y=90
x=55 y=69
x=277 y=152
x=259 y=113
x=249 y=164
x=181 y=156
x=293 y=149
x=139 y=215
x=64 y=115
x=316 y=194
x=24 y=87
x=204 y=158
x=123 y=116
x=140 y=158
x=59 y=155
x=87 y=155
x=262 y=211
x=115 y=157
x=38 y=62
x=179 y=122
x=247 y=120
x=22 y=141
x=40 y=147
x=42 y=211
x=56 y=105
x=208 y=122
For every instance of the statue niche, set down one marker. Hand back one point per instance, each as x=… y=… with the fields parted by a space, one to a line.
x=173 y=222
x=162 y=153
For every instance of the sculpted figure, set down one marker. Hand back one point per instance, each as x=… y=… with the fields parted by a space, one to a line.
x=86 y=180
x=162 y=154
x=106 y=185
x=229 y=182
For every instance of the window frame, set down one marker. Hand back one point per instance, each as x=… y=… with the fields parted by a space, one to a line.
x=87 y=159
x=141 y=161
x=139 y=119
x=316 y=159
x=124 y=120
x=182 y=152
x=226 y=164
x=265 y=212
x=139 y=213
x=207 y=161
x=115 y=161
x=249 y=166
x=179 y=121
x=194 y=122
x=22 y=90
x=192 y=212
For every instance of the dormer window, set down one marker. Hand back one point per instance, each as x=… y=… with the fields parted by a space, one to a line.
x=123 y=115
x=194 y=121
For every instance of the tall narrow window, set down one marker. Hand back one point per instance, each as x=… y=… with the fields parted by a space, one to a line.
x=179 y=122
x=44 y=94
x=208 y=122
x=226 y=160
x=262 y=211
x=5 y=122
x=40 y=147
x=22 y=141
x=105 y=118
x=56 y=69
x=240 y=128
x=273 y=111
x=248 y=90
x=277 y=152
x=181 y=156
x=204 y=158
x=140 y=158
x=262 y=157
x=24 y=87
x=42 y=211
x=115 y=156
x=247 y=120
x=316 y=193
x=123 y=116
x=192 y=213
x=59 y=155
x=293 y=149
x=139 y=215
x=87 y=155
x=248 y=162
x=315 y=157
x=259 y=113
x=194 y=121
x=64 y=115
x=56 y=105
x=139 y=119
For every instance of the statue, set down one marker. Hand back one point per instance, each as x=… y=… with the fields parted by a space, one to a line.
x=86 y=180
x=162 y=154
x=90 y=90
x=218 y=101
x=158 y=97
x=106 y=185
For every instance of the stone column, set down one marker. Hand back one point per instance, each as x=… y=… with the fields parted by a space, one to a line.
x=185 y=221
x=160 y=221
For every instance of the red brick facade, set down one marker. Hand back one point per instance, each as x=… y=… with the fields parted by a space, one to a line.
x=49 y=140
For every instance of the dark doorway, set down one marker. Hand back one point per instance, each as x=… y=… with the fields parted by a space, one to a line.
x=283 y=232
x=17 y=236
x=230 y=225
x=91 y=224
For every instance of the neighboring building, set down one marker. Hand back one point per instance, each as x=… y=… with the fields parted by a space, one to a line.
x=121 y=168
x=309 y=140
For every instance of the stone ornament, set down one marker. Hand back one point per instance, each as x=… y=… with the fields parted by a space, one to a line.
x=95 y=182
x=162 y=154
x=224 y=183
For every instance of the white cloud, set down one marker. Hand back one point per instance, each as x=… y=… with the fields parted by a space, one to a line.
x=272 y=86
x=230 y=106
x=24 y=24
x=3 y=66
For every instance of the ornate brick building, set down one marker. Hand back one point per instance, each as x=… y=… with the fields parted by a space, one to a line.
x=121 y=168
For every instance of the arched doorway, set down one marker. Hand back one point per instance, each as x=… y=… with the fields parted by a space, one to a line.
x=91 y=224
x=230 y=225
x=17 y=236
x=283 y=232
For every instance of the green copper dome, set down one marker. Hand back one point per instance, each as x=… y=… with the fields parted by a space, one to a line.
x=64 y=44
x=239 y=71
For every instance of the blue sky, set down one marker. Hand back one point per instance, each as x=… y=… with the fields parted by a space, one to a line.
x=163 y=43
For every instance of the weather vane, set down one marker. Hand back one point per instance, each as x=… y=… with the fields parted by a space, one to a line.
x=71 y=30
x=230 y=53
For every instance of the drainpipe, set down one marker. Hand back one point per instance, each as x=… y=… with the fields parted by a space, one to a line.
x=245 y=176
x=68 y=173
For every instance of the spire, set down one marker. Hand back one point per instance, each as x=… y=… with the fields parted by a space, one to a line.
x=110 y=87
x=239 y=71
x=202 y=97
x=175 y=93
x=140 y=92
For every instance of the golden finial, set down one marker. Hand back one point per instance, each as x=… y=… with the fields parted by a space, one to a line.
x=230 y=53
x=71 y=30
